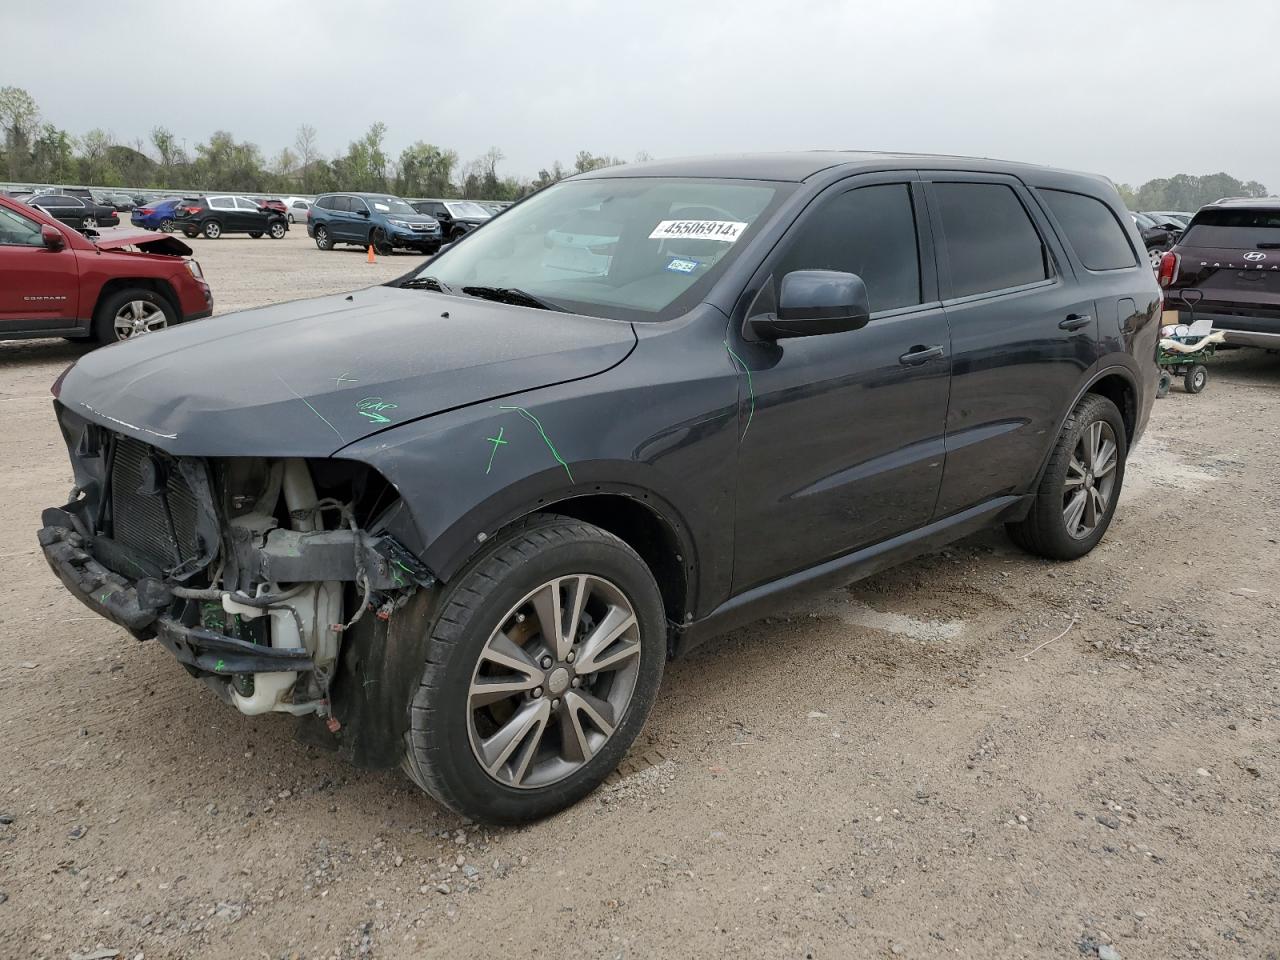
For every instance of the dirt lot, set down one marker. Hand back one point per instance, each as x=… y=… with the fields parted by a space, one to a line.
x=901 y=768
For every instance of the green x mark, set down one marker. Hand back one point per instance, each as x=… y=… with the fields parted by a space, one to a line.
x=497 y=442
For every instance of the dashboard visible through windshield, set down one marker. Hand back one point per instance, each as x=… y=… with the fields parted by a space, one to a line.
x=640 y=249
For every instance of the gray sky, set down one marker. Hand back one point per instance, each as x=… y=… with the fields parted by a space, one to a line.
x=1119 y=88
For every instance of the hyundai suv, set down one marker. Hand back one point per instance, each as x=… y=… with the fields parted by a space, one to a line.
x=371 y=220
x=1226 y=267
x=461 y=520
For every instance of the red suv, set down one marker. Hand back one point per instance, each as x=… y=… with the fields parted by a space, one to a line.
x=56 y=282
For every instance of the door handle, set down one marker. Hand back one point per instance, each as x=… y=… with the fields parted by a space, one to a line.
x=1075 y=321
x=920 y=354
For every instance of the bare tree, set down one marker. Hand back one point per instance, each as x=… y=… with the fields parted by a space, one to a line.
x=308 y=152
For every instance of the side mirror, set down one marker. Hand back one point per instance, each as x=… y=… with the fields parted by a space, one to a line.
x=814 y=302
x=363 y=213
x=52 y=237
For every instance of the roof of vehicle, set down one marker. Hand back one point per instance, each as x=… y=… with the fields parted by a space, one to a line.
x=357 y=193
x=802 y=165
x=1262 y=203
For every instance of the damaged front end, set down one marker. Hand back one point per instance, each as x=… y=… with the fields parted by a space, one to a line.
x=249 y=570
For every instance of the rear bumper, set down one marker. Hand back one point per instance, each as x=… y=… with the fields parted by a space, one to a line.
x=1243 y=331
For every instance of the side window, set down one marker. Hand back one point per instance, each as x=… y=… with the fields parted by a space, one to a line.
x=339 y=204
x=325 y=203
x=870 y=231
x=1092 y=229
x=244 y=203
x=299 y=205
x=17 y=231
x=356 y=204
x=221 y=203
x=990 y=240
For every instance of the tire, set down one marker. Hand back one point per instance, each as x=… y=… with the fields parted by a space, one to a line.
x=457 y=235
x=1154 y=256
x=381 y=245
x=166 y=225
x=448 y=732
x=255 y=234
x=1047 y=530
x=429 y=250
x=131 y=313
x=212 y=229
x=191 y=234
x=323 y=240
x=277 y=230
x=291 y=220
x=88 y=223
x=1162 y=385
x=1194 y=380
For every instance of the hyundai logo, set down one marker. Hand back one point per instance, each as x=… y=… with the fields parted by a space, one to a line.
x=1255 y=255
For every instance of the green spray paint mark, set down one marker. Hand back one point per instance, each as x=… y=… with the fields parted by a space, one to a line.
x=751 y=391
x=374 y=407
x=497 y=442
x=547 y=440
x=218 y=667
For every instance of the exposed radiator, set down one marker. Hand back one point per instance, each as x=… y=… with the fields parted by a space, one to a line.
x=138 y=519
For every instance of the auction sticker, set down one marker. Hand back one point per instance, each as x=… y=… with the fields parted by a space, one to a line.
x=726 y=231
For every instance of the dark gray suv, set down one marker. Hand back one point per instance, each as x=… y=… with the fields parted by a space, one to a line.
x=461 y=521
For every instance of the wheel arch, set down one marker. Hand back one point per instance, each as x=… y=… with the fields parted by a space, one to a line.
x=1118 y=384
x=154 y=284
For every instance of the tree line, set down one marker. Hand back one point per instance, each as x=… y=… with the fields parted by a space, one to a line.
x=36 y=151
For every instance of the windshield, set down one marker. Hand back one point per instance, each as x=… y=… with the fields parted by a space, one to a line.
x=390 y=205
x=1233 y=229
x=466 y=209
x=643 y=248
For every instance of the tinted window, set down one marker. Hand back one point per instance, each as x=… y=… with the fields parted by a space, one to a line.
x=1092 y=229
x=1233 y=229
x=990 y=240
x=17 y=230
x=325 y=203
x=222 y=203
x=870 y=231
x=244 y=203
x=355 y=204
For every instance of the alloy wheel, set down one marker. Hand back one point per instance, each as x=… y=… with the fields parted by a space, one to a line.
x=553 y=681
x=1090 y=480
x=277 y=230
x=138 y=317
x=88 y=223
x=322 y=238
x=1155 y=256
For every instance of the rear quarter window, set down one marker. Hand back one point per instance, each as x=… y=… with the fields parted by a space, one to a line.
x=1092 y=230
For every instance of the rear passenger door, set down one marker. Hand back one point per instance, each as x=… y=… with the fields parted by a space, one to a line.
x=340 y=218
x=1022 y=336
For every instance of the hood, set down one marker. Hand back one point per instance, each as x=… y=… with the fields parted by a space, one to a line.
x=307 y=378
x=117 y=238
x=411 y=217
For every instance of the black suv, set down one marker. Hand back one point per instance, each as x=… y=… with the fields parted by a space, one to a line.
x=1226 y=266
x=463 y=519
x=457 y=217
x=82 y=213
x=215 y=215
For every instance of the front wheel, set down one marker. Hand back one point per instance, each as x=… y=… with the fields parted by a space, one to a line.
x=291 y=220
x=277 y=230
x=323 y=240
x=255 y=234
x=213 y=229
x=1194 y=379
x=132 y=313
x=1077 y=495
x=542 y=661
x=378 y=240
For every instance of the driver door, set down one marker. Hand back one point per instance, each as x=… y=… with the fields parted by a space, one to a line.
x=841 y=444
x=39 y=287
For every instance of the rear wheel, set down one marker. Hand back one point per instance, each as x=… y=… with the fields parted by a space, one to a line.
x=88 y=223
x=323 y=240
x=1155 y=255
x=378 y=239
x=1194 y=379
x=541 y=664
x=131 y=313
x=256 y=234
x=291 y=220
x=212 y=229
x=166 y=225
x=277 y=230
x=1078 y=492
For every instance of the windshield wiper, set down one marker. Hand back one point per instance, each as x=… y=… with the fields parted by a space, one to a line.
x=512 y=295
x=426 y=283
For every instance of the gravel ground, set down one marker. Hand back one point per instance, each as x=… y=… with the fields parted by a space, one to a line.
x=977 y=754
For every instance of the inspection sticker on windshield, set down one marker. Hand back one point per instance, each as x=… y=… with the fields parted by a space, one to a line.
x=726 y=231
x=677 y=265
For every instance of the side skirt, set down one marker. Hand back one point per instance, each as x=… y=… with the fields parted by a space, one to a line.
x=759 y=601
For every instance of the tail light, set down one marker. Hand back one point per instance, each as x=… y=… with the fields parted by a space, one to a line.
x=1168 y=271
x=145 y=211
